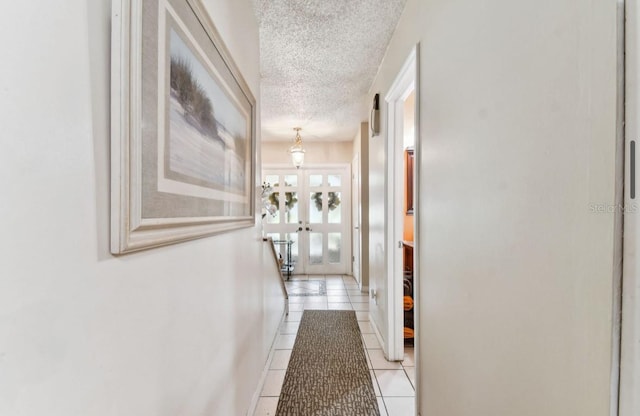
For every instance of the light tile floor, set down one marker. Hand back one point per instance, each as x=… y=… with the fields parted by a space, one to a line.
x=393 y=382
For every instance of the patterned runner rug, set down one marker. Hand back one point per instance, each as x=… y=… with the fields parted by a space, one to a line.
x=327 y=373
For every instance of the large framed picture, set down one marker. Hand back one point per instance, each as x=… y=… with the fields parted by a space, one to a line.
x=182 y=126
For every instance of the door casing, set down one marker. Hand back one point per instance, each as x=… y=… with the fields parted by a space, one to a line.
x=404 y=84
x=302 y=267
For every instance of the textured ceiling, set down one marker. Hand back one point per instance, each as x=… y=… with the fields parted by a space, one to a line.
x=318 y=59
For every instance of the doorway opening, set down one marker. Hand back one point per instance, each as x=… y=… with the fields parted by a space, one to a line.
x=309 y=211
x=402 y=209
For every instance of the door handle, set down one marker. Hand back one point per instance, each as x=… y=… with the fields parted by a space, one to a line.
x=299 y=229
x=308 y=229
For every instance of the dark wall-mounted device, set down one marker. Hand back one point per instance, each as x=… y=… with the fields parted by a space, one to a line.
x=374 y=120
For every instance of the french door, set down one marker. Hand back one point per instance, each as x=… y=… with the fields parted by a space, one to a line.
x=311 y=208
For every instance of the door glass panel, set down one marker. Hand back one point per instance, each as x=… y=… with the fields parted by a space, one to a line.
x=315 y=208
x=290 y=180
x=334 y=180
x=334 y=241
x=315 y=248
x=271 y=179
x=295 y=249
x=291 y=208
x=315 y=180
x=273 y=205
x=335 y=211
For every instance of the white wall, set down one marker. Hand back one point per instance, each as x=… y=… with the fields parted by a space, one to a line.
x=630 y=327
x=517 y=139
x=361 y=148
x=183 y=329
x=315 y=152
x=403 y=41
x=409 y=122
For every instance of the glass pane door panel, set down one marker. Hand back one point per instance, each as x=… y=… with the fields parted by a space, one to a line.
x=334 y=241
x=295 y=248
x=271 y=179
x=315 y=248
x=315 y=180
x=315 y=208
x=334 y=180
x=273 y=211
x=291 y=209
x=291 y=180
x=335 y=210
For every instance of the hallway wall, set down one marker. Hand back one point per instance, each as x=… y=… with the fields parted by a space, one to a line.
x=403 y=40
x=517 y=150
x=183 y=329
x=361 y=148
x=277 y=153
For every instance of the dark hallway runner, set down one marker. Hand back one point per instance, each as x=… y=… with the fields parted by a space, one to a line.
x=327 y=373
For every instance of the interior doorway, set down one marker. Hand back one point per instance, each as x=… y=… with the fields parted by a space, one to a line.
x=311 y=208
x=402 y=276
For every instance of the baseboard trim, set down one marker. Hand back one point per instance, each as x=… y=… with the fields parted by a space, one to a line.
x=256 y=395
x=376 y=331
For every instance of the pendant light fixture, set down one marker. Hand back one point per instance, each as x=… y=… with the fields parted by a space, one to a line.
x=297 y=152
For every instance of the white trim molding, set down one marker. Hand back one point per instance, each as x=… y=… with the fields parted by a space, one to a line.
x=403 y=85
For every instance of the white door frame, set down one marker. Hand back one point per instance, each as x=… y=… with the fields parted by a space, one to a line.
x=404 y=84
x=345 y=168
x=629 y=358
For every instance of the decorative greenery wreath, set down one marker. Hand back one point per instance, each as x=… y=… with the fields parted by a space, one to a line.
x=271 y=200
x=290 y=200
x=267 y=208
x=333 y=202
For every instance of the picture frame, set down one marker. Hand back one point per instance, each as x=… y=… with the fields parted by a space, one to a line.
x=183 y=128
x=408 y=181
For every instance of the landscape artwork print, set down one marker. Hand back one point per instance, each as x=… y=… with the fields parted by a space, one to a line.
x=208 y=133
x=183 y=162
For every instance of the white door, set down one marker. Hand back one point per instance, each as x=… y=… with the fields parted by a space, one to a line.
x=355 y=218
x=311 y=208
x=629 y=399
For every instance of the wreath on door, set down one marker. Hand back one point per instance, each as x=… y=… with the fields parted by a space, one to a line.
x=271 y=199
x=289 y=203
x=332 y=203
